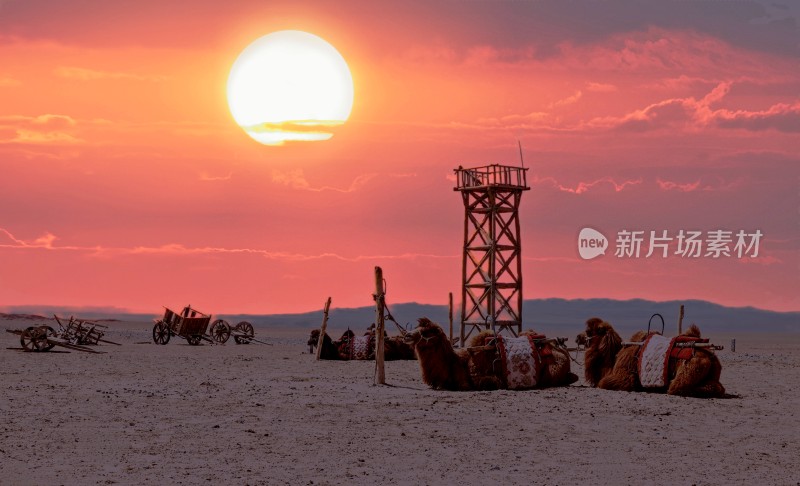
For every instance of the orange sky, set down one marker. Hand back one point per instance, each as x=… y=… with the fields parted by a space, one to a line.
x=126 y=183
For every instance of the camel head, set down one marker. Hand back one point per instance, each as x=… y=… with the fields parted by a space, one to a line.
x=602 y=345
x=427 y=333
x=313 y=340
x=347 y=337
x=599 y=333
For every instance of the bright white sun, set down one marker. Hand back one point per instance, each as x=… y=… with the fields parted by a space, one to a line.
x=290 y=86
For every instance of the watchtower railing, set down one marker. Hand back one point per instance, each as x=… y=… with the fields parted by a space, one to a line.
x=491 y=175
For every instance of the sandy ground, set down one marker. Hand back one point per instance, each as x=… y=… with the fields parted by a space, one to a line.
x=257 y=414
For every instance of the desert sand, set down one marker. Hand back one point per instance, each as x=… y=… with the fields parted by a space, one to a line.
x=258 y=414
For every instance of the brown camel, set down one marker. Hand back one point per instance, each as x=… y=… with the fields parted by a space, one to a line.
x=394 y=347
x=331 y=350
x=611 y=365
x=478 y=367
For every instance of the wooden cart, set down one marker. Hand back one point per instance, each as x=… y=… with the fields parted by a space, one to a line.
x=82 y=332
x=190 y=325
x=40 y=339
x=243 y=333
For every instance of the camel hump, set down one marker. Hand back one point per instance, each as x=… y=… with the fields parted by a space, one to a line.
x=593 y=321
x=693 y=331
x=480 y=339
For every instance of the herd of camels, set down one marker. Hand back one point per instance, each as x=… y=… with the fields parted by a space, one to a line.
x=648 y=362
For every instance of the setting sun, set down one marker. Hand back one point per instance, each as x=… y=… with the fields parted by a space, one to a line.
x=290 y=86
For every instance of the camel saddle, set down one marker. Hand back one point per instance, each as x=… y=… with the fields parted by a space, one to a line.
x=684 y=354
x=521 y=358
x=538 y=340
x=658 y=358
x=361 y=348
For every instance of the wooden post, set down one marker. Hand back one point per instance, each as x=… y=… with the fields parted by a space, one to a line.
x=680 y=322
x=450 y=317
x=380 y=374
x=733 y=345
x=324 y=327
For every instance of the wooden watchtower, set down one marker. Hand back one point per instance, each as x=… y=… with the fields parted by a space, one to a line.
x=491 y=290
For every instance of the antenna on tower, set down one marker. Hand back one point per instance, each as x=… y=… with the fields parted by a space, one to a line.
x=522 y=161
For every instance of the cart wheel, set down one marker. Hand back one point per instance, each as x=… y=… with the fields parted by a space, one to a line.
x=160 y=333
x=220 y=331
x=194 y=339
x=44 y=344
x=35 y=338
x=247 y=331
x=28 y=339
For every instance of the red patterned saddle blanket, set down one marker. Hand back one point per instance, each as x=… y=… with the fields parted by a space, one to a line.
x=521 y=360
x=361 y=347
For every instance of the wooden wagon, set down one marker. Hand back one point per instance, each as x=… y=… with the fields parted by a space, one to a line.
x=43 y=338
x=190 y=325
x=82 y=332
x=243 y=333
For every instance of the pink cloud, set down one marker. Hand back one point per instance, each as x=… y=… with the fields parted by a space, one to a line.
x=568 y=100
x=297 y=180
x=692 y=114
x=84 y=74
x=698 y=185
x=46 y=242
x=670 y=186
x=784 y=117
x=583 y=187
x=204 y=176
x=175 y=249
x=600 y=87
x=761 y=260
x=48 y=129
x=513 y=120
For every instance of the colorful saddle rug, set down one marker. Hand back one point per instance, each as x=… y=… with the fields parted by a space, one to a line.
x=361 y=348
x=520 y=360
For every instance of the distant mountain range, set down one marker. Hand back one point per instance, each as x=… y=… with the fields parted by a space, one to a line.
x=560 y=315
x=565 y=317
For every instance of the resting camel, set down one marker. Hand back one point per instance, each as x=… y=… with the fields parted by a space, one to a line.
x=613 y=366
x=394 y=347
x=331 y=350
x=478 y=367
